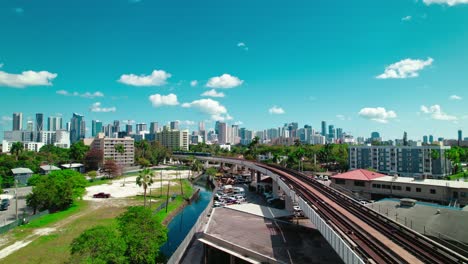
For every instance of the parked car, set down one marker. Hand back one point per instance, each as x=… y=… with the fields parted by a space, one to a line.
x=102 y=195
x=4 y=204
x=325 y=178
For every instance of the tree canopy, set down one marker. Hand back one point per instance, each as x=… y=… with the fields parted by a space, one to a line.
x=143 y=234
x=100 y=244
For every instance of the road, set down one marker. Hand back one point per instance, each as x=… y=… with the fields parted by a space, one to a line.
x=9 y=215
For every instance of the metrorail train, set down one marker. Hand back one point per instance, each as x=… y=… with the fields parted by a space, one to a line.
x=186 y=153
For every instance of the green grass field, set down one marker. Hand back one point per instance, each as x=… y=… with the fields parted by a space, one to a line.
x=55 y=247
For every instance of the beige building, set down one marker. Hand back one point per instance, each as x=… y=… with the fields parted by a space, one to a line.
x=110 y=149
x=174 y=139
x=373 y=185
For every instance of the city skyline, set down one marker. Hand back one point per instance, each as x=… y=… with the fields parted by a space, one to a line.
x=305 y=63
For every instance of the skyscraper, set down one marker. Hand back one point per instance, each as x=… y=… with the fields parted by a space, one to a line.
x=331 y=132
x=96 y=128
x=116 y=126
x=460 y=136
x=39 y=122
x=30 y=126
x=141 y=127
x=425 y=140
x=17 y=121
x=128 y=129
x=222 y=133
x=54 y=123
x=174 y=125
x=39 y=125
x=77 y=128
x=324 y=128
x=201 y=126
x=154 y=127
x=431 y=139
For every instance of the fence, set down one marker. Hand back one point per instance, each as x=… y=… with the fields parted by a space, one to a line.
x=19 y=222
x=179 y=253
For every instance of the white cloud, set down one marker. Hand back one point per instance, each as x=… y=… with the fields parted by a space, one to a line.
x=243 y=46
x=84 y=95
x=436 y=113
x=377 y=114
x=341 y=117
x=211 y=107
x=224 y=81
x=157 y=78
x=407 y=68
x=5 y=120
x=26 y=78
x=18 y=10
x=96 y=107
x=446 y=2
x=455 y=97
x=276 y=110
x=1 y=65
x=186 y=122
x=406 y=18
x=238 y=123
x=213 y=93
x=194 y=83
x=158 y=100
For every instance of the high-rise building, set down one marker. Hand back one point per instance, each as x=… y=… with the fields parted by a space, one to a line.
x=110 y=151
x=77 y=128
x=425 y=140
x=331 y=132
x=402 y=160
x=54 y=123
x=431 y=139
x=201 y=126
x=17 y=121
x=116 y=127
x=222 y=133
x=460 y=136
x=154 y=127
x=324 y=128
x=339 y=133
x=30 y=126
x=39 y=122
x=129 y=129
x=39 y=126
x=141 y=127
x=174 y=125
x=174 y=139
x=96 y=128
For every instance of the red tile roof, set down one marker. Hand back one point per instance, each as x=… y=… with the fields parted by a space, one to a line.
x=359 y=175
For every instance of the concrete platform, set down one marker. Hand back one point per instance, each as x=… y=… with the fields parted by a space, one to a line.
x=424 y=217
x=255 y=238
x=258 y=210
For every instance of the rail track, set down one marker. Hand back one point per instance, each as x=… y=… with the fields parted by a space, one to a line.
x=371 y=249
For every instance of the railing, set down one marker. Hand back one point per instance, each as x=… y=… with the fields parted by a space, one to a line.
x=179 y=253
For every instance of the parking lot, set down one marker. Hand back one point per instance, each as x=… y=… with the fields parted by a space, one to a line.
x=9 y=215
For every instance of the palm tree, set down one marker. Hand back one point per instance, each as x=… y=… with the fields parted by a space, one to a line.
x=145 y=179
x=196 y=166
x=17 y=148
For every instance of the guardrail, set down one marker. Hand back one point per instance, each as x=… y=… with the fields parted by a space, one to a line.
x=179 y=253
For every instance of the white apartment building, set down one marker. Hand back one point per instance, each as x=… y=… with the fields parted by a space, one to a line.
x=30 y=146
x=174 y=139
x=109 y=148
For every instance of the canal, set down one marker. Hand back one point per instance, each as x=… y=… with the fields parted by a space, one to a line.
x=184 y=221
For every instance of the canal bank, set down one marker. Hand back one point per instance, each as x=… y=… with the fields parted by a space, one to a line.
x=183 y=221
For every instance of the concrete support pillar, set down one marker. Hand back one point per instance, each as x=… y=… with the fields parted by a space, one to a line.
x=207 y=164
x=259 y=176
x=275 y=189
x=234 y=168
x=288 y=203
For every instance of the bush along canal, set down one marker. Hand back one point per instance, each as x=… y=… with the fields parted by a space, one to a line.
x=181 y=224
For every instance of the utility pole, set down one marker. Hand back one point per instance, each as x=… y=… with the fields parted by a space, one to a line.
x=16 y=198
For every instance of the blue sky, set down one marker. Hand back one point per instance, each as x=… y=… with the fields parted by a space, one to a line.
x=386 y=66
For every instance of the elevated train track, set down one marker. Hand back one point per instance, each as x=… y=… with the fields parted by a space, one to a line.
x=374 y=237
x=369 y=246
